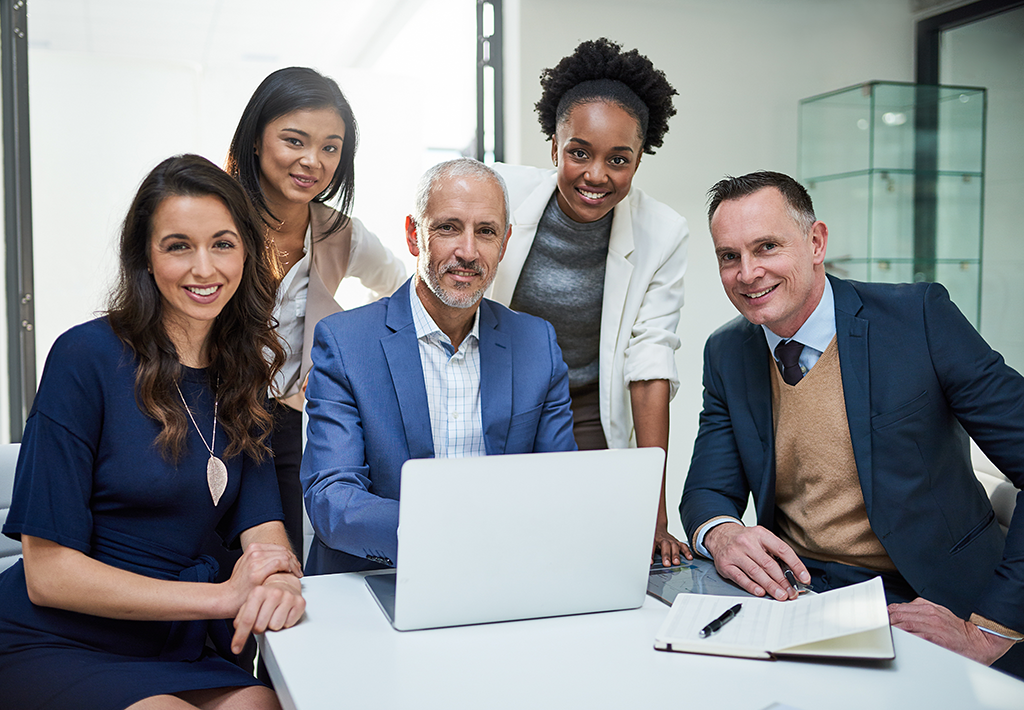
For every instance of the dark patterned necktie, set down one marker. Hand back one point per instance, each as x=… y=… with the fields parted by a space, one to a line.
x=788 y=353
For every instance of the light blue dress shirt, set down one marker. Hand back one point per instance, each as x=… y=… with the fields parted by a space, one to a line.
x=452 y=379
x=816 y=332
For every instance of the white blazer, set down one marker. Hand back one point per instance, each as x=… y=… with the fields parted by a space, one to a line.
x=643 y=288
x=352 y=251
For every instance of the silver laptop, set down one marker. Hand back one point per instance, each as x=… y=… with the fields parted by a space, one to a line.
x=521 y=536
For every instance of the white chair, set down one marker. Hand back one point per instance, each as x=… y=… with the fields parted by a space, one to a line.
x=1001 y=491
x=10 y=550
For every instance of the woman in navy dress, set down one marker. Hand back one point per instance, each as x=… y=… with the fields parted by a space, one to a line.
x=139 y=419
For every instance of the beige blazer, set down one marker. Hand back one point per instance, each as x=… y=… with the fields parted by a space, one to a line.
x=643 y=289
x=352 y=251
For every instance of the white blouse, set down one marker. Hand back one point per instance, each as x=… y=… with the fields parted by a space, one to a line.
x=290 y=312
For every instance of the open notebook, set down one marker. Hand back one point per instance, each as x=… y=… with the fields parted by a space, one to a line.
x=851 y=622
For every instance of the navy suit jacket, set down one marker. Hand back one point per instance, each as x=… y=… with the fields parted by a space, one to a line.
x=367 y=406
x=915 y=375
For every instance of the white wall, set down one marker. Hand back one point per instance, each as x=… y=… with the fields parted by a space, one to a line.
x=740 y=67
x=98 y=125
x=990 y=53
x=101 y=119
x=101 y=122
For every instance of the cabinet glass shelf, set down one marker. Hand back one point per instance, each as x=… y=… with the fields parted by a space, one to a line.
x=897 y=173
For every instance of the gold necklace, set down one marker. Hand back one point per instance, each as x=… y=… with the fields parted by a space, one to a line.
x=216 y=471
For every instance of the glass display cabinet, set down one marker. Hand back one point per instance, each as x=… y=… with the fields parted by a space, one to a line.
x=896 y=171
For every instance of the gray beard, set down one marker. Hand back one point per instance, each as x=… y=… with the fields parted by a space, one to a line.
x=433 y=282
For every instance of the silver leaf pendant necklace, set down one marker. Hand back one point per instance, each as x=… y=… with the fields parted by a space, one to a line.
x=216 y=471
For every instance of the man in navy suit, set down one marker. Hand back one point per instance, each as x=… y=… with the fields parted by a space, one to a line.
x=845 y=409
x=433 y=371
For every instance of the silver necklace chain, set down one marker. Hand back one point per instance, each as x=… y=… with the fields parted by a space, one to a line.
x=213 y=438
x=216 y=471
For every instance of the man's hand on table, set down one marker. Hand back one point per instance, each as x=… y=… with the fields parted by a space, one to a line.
x=942 y=627
x=750 y=558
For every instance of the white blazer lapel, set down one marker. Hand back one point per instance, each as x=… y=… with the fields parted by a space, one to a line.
x=328 y=262
x=618 y=271
x=524 y=228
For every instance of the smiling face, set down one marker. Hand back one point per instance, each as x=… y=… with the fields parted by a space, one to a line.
x=460 y=243
x=196 y=256
x=299 y=153
x=597 y=149
x=772 y=269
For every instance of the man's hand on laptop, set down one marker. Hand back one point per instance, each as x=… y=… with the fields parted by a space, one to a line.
x=747 y=556
x=671 y=550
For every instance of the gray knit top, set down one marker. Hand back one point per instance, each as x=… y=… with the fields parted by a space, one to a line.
x=562 y=281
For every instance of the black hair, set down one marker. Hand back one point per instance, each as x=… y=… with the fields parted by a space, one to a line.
x=284 y=91
x=598 y=70
x=732 y=188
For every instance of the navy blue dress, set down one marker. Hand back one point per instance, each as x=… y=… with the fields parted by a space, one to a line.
x=90 y=477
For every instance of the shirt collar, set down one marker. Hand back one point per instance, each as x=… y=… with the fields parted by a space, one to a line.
x=819 y=328
x=425 y=325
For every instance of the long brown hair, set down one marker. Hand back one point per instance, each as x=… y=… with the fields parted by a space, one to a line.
x=244 y=350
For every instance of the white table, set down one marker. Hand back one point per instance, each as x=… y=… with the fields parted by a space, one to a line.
x=344 y=654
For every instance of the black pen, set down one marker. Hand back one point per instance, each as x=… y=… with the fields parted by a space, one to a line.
x=720 y=621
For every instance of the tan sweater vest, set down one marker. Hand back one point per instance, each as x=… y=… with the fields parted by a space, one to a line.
x=817 y=491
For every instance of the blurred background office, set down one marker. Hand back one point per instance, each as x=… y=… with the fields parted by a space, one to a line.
x=114 y=86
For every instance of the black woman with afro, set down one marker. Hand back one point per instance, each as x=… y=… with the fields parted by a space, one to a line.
x=599 y=259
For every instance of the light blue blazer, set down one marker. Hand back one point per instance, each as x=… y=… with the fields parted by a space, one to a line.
x=368 y=414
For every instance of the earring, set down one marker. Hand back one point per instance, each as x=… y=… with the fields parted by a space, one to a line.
x=554 y=159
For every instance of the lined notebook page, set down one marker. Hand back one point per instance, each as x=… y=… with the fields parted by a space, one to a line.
x=750 y=628
x=768 y=625
x=840 y=612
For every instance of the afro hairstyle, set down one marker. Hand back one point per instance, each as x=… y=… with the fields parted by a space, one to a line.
x=602 y=66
